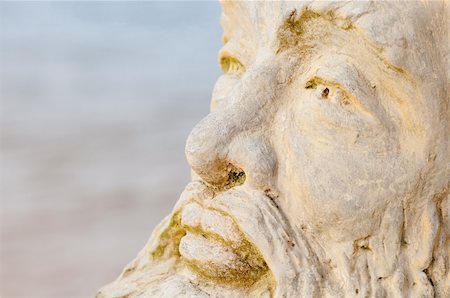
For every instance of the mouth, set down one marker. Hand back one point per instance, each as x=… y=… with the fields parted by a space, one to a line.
x=214 y=247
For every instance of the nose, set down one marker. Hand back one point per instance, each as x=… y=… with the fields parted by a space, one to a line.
x=233 y=143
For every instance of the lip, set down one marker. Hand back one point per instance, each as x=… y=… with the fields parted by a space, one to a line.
x=216 y=248
x=195 y=217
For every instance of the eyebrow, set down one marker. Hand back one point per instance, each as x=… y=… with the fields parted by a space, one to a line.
x=291 y=31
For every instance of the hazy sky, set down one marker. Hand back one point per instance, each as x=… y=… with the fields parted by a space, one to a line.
x=109 y=50
x=97 y=99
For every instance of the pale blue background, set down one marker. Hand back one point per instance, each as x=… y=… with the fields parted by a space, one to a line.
x=97 y=99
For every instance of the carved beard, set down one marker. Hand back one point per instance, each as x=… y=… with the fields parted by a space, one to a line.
x=293 y=265
x=289 y=267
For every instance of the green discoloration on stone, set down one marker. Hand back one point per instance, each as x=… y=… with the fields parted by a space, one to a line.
x=170 y=239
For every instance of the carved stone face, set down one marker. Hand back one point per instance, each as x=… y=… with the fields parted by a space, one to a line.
x=308 y=173
x=328 y=112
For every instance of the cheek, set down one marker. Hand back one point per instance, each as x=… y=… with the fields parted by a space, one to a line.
x=338 y=176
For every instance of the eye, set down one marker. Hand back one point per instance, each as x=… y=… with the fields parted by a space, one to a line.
x=231 y=65
x=325 y=92
x=330 y=91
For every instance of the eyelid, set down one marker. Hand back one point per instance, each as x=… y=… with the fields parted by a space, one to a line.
x=315 y=81
x=352 y=99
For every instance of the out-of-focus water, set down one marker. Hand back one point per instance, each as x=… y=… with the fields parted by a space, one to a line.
x=97 y=99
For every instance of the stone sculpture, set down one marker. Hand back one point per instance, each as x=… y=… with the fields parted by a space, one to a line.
x=323 y=167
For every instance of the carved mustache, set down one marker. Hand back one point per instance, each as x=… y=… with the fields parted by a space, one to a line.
x=216 y=248
x=244 y=214
x=197 y=218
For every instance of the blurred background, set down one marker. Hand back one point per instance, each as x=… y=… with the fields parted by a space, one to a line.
x=97 y=99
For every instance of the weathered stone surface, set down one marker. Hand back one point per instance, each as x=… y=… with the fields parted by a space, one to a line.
x=323 y=168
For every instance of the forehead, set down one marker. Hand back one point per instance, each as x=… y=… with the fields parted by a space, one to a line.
x=257 y=22
x=393 y=26
x=297 y=27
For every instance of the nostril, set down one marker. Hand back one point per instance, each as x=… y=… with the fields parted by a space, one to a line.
x=235 y=177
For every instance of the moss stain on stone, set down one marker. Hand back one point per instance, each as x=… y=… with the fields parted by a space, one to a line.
x=170 y=238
